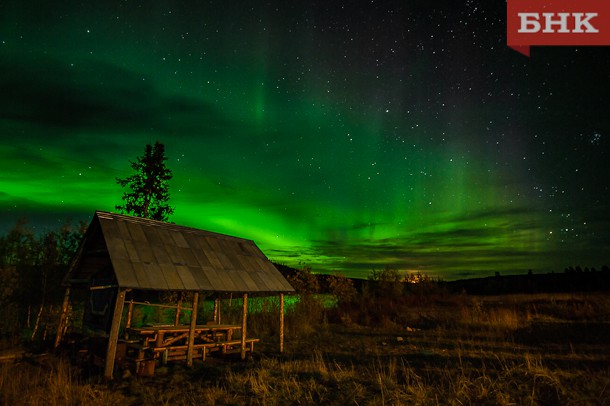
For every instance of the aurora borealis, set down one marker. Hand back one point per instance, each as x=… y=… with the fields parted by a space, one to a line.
x=344 y=136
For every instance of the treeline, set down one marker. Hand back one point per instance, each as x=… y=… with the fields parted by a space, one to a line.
x=385 y=299
x=391 y=283
x=571 y=280
x=32 y=266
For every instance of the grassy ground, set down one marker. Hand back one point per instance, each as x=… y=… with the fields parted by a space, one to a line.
x=454 y=350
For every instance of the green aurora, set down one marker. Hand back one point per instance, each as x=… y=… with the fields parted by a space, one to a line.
x=331 y=138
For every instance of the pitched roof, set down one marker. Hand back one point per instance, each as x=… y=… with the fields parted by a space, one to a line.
x=149 y=254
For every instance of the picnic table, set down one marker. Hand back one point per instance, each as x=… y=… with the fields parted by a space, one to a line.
x=170 y=343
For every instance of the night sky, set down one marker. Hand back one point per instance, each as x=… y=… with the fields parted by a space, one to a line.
x=345 y=136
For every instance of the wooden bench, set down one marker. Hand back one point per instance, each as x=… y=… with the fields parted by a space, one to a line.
x=179 y=352
x=146 y=356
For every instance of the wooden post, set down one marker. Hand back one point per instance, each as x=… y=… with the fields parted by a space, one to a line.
x=62 y=319
x=281 y=322
x=244 y=324
x=129 y=316
x=191 y=342
x=177 y=320
x=216 y=311
x=114 y=334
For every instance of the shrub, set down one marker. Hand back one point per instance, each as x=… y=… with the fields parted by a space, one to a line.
x=341 y=288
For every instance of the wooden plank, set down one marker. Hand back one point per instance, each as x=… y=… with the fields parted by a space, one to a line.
x=166 y=238
x=261 y=285
x=125 y=274
x=244 y=262
x=254 y=250
x=202 y=242
x=132 y=253
x=235 y=279
x=225 y=282
x=191 y=240
x=110 y=228
x=152 y=235
x=201 y=278
x=171 y=277
x=145 y=253
x=185 y=275
x=227 y=246
x=213 y=259
x=265 y=264
x=141 y=275
x=114 y=334
x=242 y=248
x=216 y=281
x=224 y=260
x=179 y=239
x=235 y=262
x=246 y=284
x=116 y=248
x=188 y=257
x=155 y=276
x=136 y=232
x=213 y=243
x=202 y=259
x=276 y=282
x=181 y=348
x=175 y=254
x=161 y=255
x=123 y=230
x=254 y=264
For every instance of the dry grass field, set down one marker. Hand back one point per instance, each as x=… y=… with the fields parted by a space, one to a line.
x=448 y=350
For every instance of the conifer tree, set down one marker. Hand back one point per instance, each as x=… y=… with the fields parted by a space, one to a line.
x=147 y=193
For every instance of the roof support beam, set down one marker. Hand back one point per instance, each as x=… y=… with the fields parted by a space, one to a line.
x=114 y=333
x=216 y=311
x=244 y=318
x=189 y=350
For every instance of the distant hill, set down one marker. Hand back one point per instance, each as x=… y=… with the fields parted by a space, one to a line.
x=533 y=283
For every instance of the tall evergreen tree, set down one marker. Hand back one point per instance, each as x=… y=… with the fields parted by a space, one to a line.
x=147 y=193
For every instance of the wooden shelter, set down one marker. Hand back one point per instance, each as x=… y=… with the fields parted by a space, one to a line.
x=121 y=254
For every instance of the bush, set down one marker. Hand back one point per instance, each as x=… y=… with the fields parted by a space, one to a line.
x=341 y=288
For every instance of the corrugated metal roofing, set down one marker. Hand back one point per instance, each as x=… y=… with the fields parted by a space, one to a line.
x=149 y=254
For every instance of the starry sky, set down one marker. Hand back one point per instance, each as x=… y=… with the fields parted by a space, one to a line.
x=345 y=136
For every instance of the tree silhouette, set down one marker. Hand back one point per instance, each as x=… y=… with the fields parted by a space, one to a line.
x=148 y=188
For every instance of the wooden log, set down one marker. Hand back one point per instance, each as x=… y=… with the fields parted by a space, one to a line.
x=243 y=326
x=114 y=334
x=62 y=319
x=281 y=322
x=216 y=311
x=160 y=305
x=191 y=342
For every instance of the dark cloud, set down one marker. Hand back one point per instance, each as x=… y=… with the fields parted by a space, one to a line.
x=94 y=96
